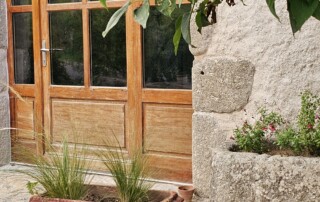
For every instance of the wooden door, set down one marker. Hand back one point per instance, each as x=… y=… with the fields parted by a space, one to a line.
x=91 y=89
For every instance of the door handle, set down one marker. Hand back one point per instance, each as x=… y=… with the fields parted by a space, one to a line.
x=44 y=52
x=51 y=49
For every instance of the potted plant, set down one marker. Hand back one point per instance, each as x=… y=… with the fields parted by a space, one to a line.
x=131 y=173
x=284 y=163
x=271 y=134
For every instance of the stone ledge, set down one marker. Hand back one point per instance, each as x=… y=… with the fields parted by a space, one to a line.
x=252 y=177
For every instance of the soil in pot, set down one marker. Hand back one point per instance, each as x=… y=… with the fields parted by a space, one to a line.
x=109 y=194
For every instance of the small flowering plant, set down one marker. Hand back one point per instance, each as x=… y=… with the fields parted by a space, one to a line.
x=271 y=132
x=305 y=138
x=259 y=136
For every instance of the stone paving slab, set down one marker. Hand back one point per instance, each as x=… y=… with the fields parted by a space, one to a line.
x=13 y=184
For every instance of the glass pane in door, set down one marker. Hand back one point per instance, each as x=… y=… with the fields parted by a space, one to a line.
x=66 y=48
x=162 y=68
x=108 y=55
x=21 y=2
x=23 y=48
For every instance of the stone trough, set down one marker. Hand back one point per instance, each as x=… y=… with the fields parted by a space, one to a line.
x=241 y=176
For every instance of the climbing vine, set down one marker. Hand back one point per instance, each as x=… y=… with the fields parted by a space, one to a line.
x=205 y=14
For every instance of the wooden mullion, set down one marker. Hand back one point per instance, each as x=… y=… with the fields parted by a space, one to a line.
x=38 y=91
x=46 y=80
x=11 y=69
x=134 y=78
x=86 y=47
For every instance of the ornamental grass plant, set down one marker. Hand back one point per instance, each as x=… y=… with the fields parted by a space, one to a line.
x=61 y=173
x=129 y=173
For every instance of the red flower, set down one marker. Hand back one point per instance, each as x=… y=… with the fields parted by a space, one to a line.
x=310 y=126
x=272 y=128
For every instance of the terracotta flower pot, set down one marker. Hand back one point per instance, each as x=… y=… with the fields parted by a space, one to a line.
x=44 y=199
x=186 y=192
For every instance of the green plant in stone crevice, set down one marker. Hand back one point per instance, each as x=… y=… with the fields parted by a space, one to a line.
x=305 y=139
x=258 y=137
x=130 y=174
x=205 y=14
x=61 y=174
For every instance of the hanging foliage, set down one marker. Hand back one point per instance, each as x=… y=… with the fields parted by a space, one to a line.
x=205 y=14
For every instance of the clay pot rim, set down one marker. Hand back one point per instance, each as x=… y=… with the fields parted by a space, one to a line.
x=186 y=188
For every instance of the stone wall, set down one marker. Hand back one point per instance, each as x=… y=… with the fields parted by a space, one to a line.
x=5 y=149
x=245 y=61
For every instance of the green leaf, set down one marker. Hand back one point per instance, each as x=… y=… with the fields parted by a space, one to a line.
x=166 y=7
x=104 y=3
x=185 y=27
x=271 y=5
x=115 y=18
x=141 y=14
x=300 y=11
x=179 y=2
x=316 y=13
x=177 y=35
x=201 y=21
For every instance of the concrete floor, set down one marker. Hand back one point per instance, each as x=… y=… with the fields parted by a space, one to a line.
x=13 y=184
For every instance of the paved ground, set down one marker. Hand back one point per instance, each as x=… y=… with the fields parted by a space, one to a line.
x=13 y=184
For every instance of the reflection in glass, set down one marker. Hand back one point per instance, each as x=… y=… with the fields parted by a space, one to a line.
x=108 y=55
x=21 y=2
x=23 y=48
x=66 y=45
x=62 y=1
x=162 y=68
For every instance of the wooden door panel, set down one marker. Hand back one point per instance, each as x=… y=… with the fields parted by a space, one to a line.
x=171 y=168
x=88 y=122
x=25 y=118
x=23 y=135
x=167 y=128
